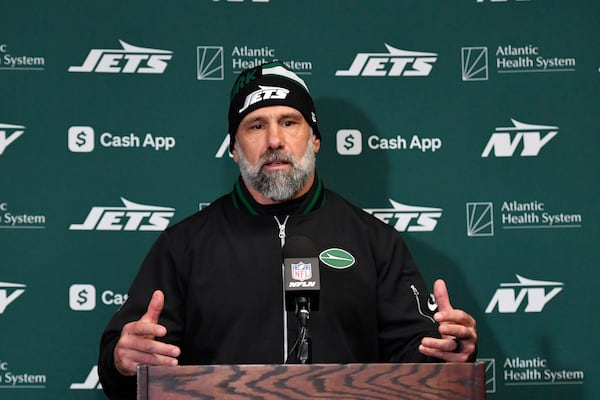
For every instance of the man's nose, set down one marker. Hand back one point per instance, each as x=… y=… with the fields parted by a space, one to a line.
x=275 y=136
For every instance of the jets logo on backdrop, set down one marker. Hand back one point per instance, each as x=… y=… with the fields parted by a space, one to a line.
x=128 y=60
x=395 y=62
x=509 y=297
x=132 y=217
x=506 y=140
x=8 y=134
x=407 y=218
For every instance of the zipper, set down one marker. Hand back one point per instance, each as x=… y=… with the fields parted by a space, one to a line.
x=416 y=294
x=281 y=226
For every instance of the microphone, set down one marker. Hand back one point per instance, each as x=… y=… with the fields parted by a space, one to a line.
x=301 y=274
x=302 y=286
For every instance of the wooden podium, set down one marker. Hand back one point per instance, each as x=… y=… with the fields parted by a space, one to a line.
x=460 y=381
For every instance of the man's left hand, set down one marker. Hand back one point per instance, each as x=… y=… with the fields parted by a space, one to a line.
x=457 y=329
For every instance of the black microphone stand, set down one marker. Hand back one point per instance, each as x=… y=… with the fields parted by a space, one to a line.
x=303 y=340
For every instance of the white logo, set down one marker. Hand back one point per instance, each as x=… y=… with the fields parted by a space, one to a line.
x=505 y=140
x=129 y=60
x=81 y=139
x=474 y=61
x=538 y=294
x=132 y=217
x=349 y=142
x=480 y=219
x=82 y=297
x=92 y=381
x=5 y=141
x=20 y=63
x=224 y=148
x=395 y=62
x=264 y=93
x=210 y=63
x=16 y=290
x=408 y=218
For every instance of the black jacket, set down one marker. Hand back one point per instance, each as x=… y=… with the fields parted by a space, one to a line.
x=220 y=270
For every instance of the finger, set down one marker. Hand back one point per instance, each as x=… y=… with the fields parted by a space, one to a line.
x=146 y=329
x=150 y=346
x=446 y=349
x=155 y=307
x=440 y=292
x=127 y=360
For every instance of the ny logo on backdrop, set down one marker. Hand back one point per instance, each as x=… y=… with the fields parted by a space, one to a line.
x=509 y=297
x=9 y=293
x=8 y=134
x=395 y=62
x=92 y=381
x=128 y=60
x=505 y=141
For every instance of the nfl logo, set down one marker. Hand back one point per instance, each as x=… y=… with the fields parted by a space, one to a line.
x=301 y=271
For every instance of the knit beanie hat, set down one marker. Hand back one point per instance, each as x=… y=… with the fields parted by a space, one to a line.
x=271 y=84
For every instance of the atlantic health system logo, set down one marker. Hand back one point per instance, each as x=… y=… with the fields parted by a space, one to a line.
x=511 y=59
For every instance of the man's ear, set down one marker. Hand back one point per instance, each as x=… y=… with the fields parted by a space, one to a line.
x=316 y=143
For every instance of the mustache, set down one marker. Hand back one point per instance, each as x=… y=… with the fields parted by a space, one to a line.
x=276 y=155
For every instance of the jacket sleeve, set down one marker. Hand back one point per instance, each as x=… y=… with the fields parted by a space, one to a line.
x=158 y=271
x=405 y=308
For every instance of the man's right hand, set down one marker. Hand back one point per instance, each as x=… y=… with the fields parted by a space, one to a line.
x=137 y=344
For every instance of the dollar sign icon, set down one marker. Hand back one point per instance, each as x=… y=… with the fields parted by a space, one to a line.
x=82 y=297
x=81 y=139
x=349 y=141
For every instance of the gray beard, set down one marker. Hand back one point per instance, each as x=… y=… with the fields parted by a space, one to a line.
x=279 y=185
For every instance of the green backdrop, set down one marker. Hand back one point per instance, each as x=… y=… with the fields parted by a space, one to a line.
x=470 y=125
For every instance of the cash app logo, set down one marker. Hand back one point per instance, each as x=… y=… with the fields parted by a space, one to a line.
x=82 y=297
x=349 y=141
x=81 y=139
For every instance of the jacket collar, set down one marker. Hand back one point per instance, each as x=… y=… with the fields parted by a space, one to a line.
x=312 y=200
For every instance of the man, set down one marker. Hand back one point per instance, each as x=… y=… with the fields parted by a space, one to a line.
x=210 y=290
